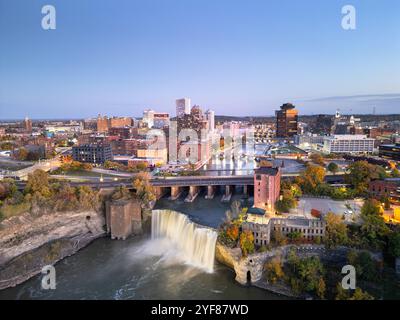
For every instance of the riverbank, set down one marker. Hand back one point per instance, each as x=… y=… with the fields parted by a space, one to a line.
x=29 y=242
x=250 y=269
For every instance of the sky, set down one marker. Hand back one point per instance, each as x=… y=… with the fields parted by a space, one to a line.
x=243 y=58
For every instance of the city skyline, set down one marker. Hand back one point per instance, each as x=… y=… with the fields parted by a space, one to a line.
x=233 y=58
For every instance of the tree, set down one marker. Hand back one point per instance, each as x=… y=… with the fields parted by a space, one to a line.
x=371 y=207
x=21 y=154
x=395 y=173
x=394 y=244
x=321 y=288
x=247 y=242
x=38 y=182
x=295 y=236
x=317 y=159
x=121 y=193
x=274 y=270
x=361 y=173
x=333 y=167
x=233 y=232
x=286 y=203
x=374 y=229
x=310 y=178
x=144 y=190
x=336 y=231
x=361 y=295
x=341 y=294
x=279 y=237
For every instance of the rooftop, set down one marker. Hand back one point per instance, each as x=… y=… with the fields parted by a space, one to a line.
x=267 y=170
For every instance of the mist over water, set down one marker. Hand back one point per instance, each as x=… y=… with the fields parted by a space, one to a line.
x=195 y=244
x=144 y=267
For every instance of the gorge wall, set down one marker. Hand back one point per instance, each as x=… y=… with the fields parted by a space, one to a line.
x=27 y=243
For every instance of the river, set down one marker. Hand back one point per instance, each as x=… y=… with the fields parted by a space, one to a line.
x=141 y=268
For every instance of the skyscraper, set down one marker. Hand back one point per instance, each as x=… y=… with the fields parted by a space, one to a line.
x=286 y=121
x=210 y=116
x=28 y=125
x=182 y=107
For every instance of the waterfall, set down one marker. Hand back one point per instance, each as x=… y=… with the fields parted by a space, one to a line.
x=196 y=243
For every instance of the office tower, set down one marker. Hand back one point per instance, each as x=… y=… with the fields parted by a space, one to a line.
x=148 y=118
x=182 y=107
x=28 y=125
x=286 y=121
x=210 y=116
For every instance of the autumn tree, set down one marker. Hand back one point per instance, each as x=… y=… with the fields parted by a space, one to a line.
x=336 y=231
x=233 y=232
x=317 y=159
x=144 y=190
x=21 y=154
x=311 y=178
x=274 y=270
x=247 y=242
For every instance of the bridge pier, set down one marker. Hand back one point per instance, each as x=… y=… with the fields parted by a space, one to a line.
x=245 y=191
x=175 y=192
x=228 y=194
x=210 y=192
x=159 y=192
x=193 y=193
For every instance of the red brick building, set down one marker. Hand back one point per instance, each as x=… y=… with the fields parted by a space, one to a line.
x=386 y=188
x=267 y=187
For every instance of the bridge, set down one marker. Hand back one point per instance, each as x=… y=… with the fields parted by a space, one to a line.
x=176 y=185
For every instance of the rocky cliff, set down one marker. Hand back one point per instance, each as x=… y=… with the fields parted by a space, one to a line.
x=248 y=269
x=27 y=243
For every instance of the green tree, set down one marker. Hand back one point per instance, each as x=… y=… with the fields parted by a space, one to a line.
x=333 y=167
x=394 y=244
x=336 y=231
x=374 y=229
x=360 y=173
x=38 y=182
x=287 y=202
x=395 y=173
x=361 y=295
x=371 y=207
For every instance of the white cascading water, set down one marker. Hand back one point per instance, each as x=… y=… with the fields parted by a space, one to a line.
x=196 y=244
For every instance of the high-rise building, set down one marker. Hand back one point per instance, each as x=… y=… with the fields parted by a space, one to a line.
x=210 y=116
x=182 y=107
x=148 y=118
x=28 y=125
x=286 y=121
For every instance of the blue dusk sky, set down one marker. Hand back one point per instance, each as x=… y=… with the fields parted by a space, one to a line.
x=119 y=57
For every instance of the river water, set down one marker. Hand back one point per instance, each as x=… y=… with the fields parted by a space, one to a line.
x=142 y=268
